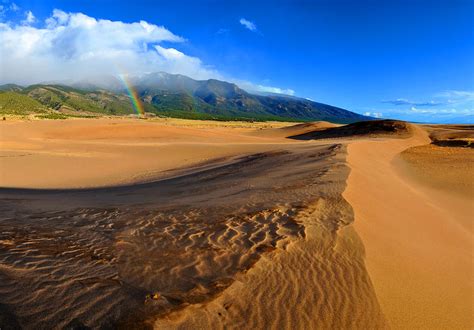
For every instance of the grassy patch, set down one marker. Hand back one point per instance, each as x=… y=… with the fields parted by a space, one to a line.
x=53 y=116
x=13 y=103
x=207 y=116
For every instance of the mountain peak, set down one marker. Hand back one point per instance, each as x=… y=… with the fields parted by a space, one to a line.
x=167 y=93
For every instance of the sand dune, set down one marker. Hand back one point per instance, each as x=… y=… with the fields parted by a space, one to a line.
x=230 y=225
x=419 y=257
x=298 y=129
x=449 y=132
x=149 y=250
x=374 y=128
x=107 y=152
x=446 y=168
x=318 y=282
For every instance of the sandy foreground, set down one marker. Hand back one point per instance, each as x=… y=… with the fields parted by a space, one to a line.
x=81 y=153
x=127 y=223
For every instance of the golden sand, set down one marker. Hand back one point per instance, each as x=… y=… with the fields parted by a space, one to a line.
x=418 y=246
x=195 y=224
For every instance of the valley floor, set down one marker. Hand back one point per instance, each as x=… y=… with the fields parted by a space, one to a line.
x=193 y=224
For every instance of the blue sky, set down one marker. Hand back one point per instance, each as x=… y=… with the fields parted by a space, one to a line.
x=412 y=60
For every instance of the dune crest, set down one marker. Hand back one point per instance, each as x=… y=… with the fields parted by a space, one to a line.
x=373 y=128
x=418 y=252
x=153 y=251
x=297 y=129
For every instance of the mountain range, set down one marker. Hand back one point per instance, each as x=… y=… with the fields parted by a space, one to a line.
x=166 y=94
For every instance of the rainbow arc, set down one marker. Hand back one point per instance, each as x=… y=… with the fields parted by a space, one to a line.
x=132 y=93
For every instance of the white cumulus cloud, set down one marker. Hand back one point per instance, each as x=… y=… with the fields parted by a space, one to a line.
x=29 y=19
x=251 y=87
x=275 y=90
x=72 y=46
x=248 y=24
x=373 y=114
x=14 y=7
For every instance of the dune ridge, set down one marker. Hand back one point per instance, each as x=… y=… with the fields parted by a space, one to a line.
x=417 y=240
x=150 y=252
x=263 y=232
x=370 y=129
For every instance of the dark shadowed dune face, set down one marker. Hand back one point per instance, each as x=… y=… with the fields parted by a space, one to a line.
x=464 y=143
x=122 y=256
x=317 y=125
x=452 y=135
x=297 y=129
x=374 y=128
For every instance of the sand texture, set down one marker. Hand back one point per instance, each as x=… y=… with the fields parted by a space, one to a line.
x=418 y=240
x=175 y=224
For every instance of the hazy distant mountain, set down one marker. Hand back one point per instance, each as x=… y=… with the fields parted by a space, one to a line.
x=110 y=83
x=165 y=82
x=178 y=95
x=11 y=88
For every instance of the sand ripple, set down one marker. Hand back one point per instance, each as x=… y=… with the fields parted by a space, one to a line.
x=260 y=242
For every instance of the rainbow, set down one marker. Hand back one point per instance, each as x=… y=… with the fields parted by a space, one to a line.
x=132 y=93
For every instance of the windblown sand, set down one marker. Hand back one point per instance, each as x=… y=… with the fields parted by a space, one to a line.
x=418 y=240
x=189 y=224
